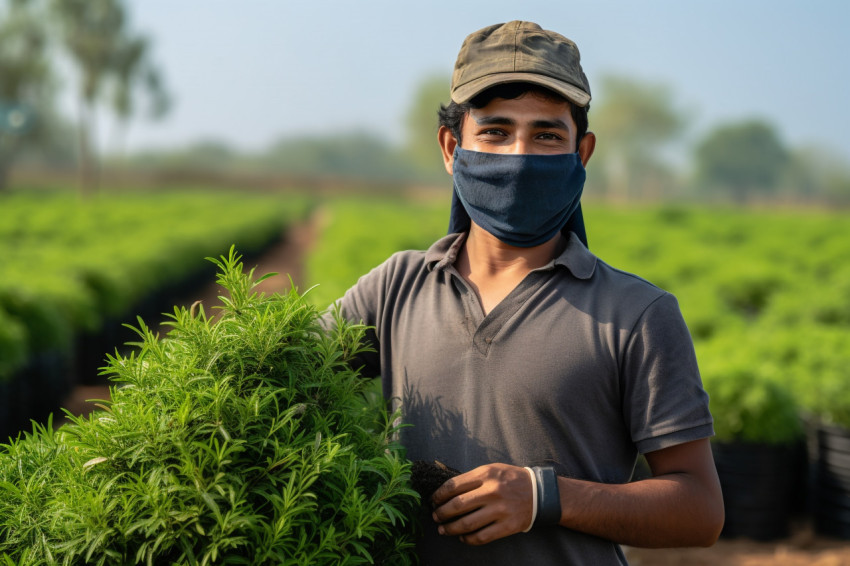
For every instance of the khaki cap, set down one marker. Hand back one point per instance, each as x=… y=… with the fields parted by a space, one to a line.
x=519 y=52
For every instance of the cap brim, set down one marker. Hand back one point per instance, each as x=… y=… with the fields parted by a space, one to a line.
x=466 y=92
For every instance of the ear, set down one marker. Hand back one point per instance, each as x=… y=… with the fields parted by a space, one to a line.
x=447 y=146
x=586 y=147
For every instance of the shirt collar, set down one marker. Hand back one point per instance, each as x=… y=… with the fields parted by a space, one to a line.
x=575 y=257
x=443 y=252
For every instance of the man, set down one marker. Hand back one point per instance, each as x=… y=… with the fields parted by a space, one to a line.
x=520 y=358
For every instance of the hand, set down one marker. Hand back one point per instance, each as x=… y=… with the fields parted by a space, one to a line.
x=485 y=504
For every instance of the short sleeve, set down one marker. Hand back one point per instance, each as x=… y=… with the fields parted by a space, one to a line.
x=664 y=400
x=362 y=304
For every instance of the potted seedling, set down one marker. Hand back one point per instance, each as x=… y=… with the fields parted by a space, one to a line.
x=758 y=449
x=829 y=392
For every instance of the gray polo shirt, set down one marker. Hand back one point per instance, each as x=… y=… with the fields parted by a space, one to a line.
x=581 y=366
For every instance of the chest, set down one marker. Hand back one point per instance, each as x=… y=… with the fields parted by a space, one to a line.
x=535 y=353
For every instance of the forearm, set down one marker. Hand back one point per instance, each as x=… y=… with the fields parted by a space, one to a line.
x=672 y=510
x=681 y=505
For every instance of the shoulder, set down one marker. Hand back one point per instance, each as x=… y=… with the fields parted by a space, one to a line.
x=599 y=277
x=643 y=302
x=625 y=284
x=607 y=295
x=441 y=253
x=400 y=265
x=400 y=275
x=604 y=290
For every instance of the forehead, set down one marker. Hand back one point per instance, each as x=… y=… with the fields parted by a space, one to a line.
x=524 y=109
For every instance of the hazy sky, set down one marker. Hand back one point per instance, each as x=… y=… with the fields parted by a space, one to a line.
x=249 y=72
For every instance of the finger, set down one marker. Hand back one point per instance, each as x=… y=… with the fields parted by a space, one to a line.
x=457 y=506
x=487 y=534
x=478 y=528
x=499 y=514
x=467 y=524
x=456 y=486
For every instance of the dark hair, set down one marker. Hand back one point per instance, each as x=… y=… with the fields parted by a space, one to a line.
x=451 y=115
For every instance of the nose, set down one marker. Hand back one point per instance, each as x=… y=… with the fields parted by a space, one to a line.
x=520 y=146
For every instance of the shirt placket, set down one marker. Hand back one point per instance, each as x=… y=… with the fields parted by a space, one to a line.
x=483 y=329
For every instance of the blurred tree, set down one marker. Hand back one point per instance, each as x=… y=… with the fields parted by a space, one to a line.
x=99 y=43
x=134 y=70
x=817 y=173
x=421 y=147
x=744 y=159
x=355 y=154
x=635 y=121
x=25 y=80
x=204 y=155
x=91 y=32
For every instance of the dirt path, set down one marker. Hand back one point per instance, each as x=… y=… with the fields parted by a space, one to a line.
x=803 y=548
x=286 y=258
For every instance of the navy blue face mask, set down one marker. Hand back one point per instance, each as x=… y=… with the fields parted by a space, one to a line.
x=521 y=199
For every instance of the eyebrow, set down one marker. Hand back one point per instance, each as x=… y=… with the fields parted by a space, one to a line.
x=536 y=124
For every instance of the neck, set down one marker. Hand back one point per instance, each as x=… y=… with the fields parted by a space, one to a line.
x=494 y=268
x=490 y=256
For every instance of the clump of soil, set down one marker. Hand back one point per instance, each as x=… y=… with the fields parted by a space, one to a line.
x=426 y=477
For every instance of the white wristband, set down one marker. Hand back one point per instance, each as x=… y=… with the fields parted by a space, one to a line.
x=533 y=498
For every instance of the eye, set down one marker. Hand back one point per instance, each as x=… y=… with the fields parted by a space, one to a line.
x=492 y=132
x=547 y=136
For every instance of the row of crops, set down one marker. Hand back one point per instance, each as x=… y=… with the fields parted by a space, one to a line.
x=71 y=266
x=766 y=294
x=767 y=298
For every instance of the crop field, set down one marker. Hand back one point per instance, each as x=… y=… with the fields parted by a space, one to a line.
x=69 y=263
x=765 y=293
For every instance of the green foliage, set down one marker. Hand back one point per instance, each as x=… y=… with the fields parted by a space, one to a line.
x=635 y=121
x=640 y=113
x=819 y=172
x=745 y=159
x=108 y=57
x=25 y=85
x=134 y=71
x=358 y=155
x=68 y=264
x=346 y=156
x=249 y=440
x=811 y=360
x=12 y=343
x=766 y=296
x=422 y=123
x=747 y=400
x=23 y=60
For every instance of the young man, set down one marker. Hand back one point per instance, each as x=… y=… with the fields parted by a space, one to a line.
x=520 y=358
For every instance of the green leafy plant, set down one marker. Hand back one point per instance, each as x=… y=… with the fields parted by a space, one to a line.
x=248 y=439
x=749 y=406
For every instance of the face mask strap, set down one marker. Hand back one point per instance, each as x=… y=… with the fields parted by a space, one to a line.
x=459 y=220
x=576 y=224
